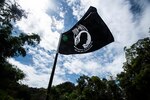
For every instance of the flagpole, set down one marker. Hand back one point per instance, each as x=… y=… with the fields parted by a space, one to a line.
x=53 y=71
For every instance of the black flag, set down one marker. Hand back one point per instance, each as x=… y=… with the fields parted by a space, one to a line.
x=90 y=33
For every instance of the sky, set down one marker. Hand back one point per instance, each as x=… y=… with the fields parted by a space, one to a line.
x=128 y=20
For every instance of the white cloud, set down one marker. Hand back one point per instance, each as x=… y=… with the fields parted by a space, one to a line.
x=115 y=13
x=116 y=66
x=32 y=78
x=41 y=24
x=36 y=6
x=119 y=18
x=35 y=78
x=145 y=23
x=58 y=24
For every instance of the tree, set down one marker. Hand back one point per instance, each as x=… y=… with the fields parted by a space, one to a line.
x=94 y=88
x=131 y=84
x=135 y=79
x=62 y=91
x=11 y=45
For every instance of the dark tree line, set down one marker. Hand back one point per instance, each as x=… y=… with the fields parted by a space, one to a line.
x=131 y=84
x=88 y=88
x=135 y=79
x=11 y=46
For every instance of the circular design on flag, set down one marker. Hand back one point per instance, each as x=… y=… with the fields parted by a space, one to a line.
x=82 y=39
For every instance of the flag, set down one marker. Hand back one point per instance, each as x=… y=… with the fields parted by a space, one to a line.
x=90 y=33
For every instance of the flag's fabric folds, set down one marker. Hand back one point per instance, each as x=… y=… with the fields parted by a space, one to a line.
x=90 y=33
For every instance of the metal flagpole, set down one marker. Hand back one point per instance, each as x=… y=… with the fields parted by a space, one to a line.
x=53 y=71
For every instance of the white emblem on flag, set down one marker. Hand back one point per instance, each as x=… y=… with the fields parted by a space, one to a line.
x=82 y=39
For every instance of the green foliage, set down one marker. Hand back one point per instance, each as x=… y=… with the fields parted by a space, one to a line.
x=5 y=96
x=131 y=84
x=13 y=45
x=37 y=93
x=87 y=89
x=135 y=79
x=10 y=46
x=62 y=91
x=9 y=75
x=95 y=88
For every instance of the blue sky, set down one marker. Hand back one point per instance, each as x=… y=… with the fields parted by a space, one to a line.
x=128 y=21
